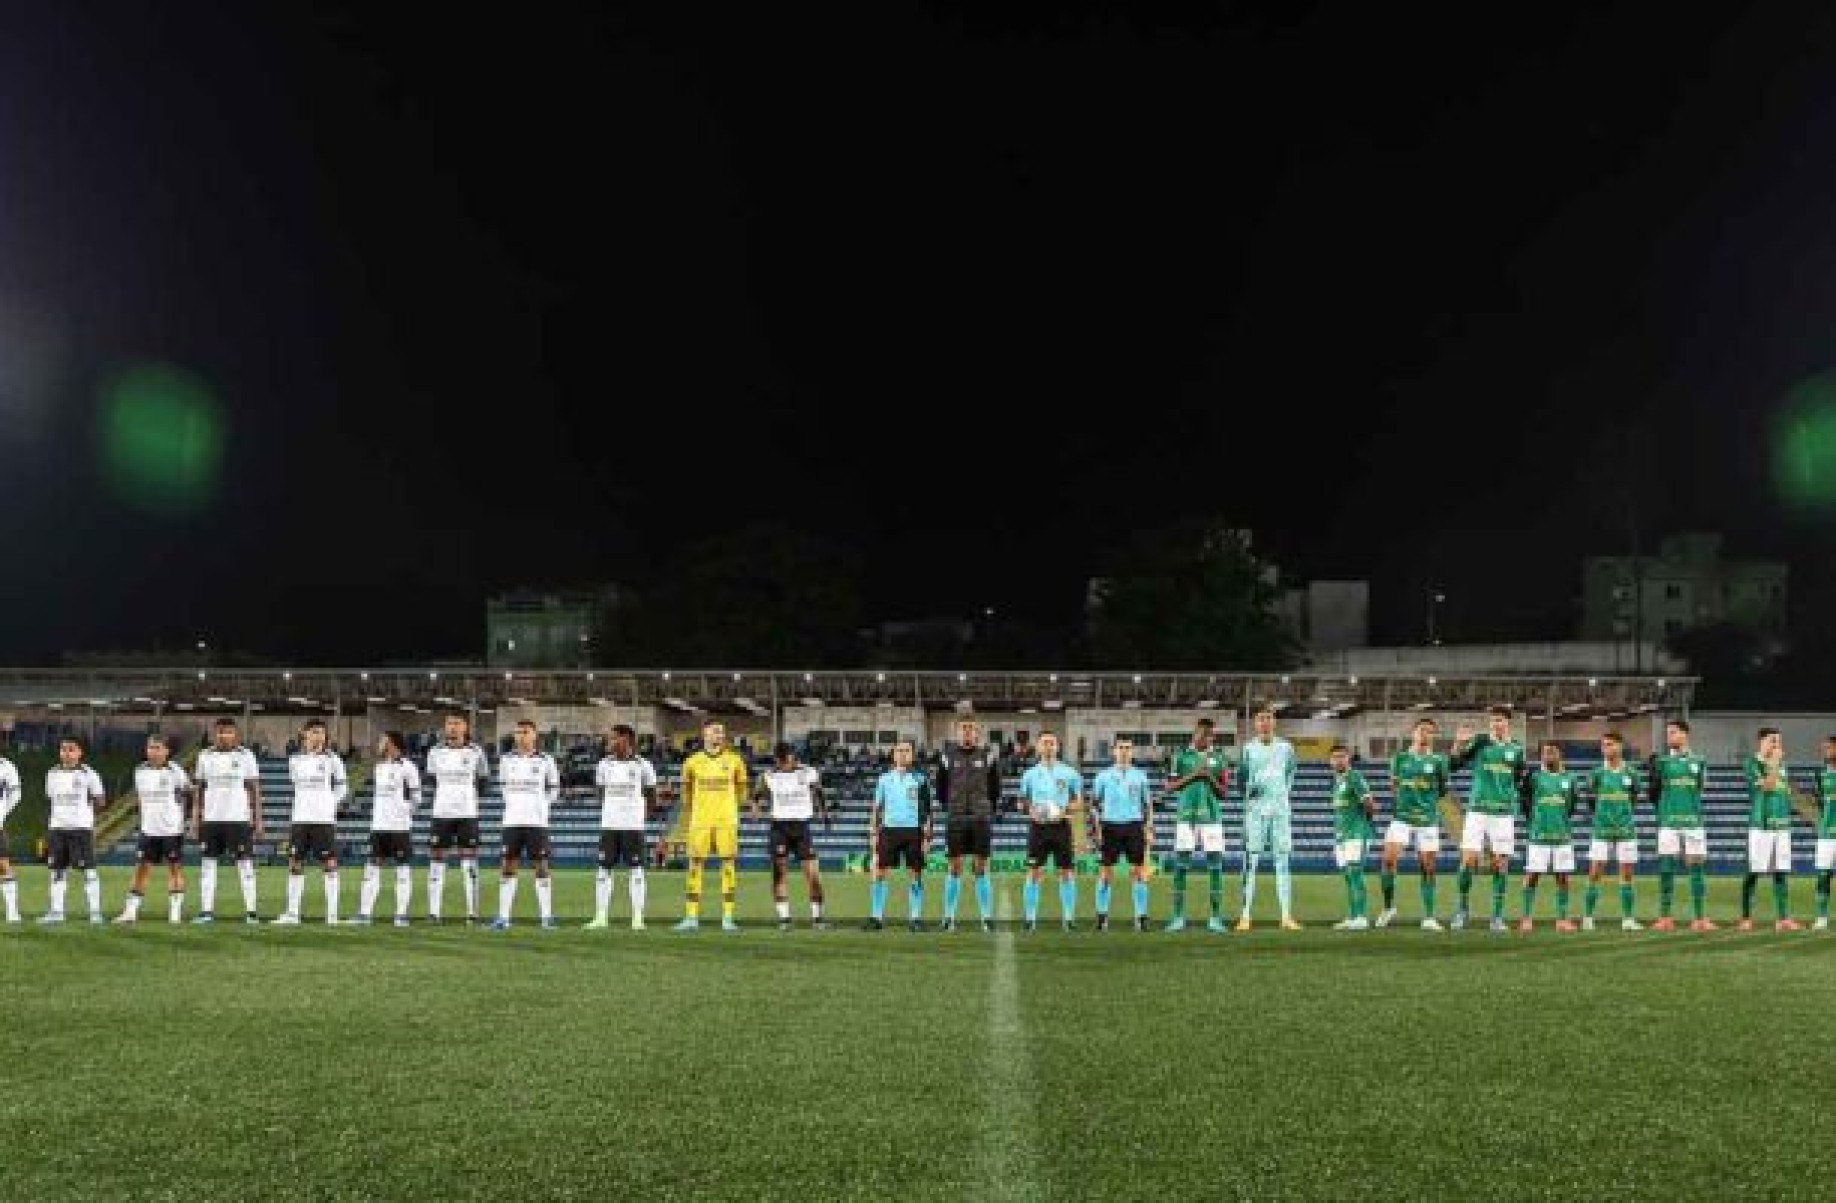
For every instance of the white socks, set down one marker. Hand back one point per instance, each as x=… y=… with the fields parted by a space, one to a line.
x=245 y=869
x=175 y=905
x=331 y=895
x=470 y=869
x=58 y=886
x=92 y=891
x=404 y=889
x=207 y=885
x=634 y=885
x=366 y=893
x=602 y=893
x=296 y=893
x=506 y=897
x=9 y=890
x=545 y=897
x=436 y=886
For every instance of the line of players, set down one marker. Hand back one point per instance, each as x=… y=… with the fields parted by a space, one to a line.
x=965 y=794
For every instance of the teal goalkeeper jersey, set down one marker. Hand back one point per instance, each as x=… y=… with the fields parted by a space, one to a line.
x=1198 y=802
x=1267 y=771
x=1613 y=790
x=1553 y=797
x=1768 y=809
x=1498 y=769
x=1419 y=782
x=1349 y=822
x=1676 y=781
x=1826 y=794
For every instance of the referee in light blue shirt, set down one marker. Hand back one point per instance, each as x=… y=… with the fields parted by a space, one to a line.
x=901 y=833
x=1047 y=791
x=1125 y=830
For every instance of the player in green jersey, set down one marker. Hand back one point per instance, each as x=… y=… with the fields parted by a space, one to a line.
x=1768 y=830
x=1499 y=767
x=1612 y=790
x=1676 y=778
x=1353 y=806
x=1550 y=795
x=1197 y=779
x=1419 y=776
x=1826 y=832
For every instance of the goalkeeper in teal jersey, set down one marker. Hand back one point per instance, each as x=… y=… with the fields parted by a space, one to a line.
x=1266 y=769
x=1676 y=779
x=1499 y=767
x=1418 y=779
x=1826 y=832
x=1551 y=794
x=1197 y=778
x=1612 y=790
x=1768 y=830
x=1353 y=805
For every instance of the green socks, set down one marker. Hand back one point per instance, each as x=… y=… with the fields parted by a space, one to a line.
x=1747 y=885
x=1388 y=881
x=1823 y=894
x=1781 y=895
x=1667 y=884
x=1466 y=885
x=1698 y=890
x=1561 y=900
x=1427 y=895
x=1590 y=899
x=1354 y=890
x=1182 y=863
x=1625 y=900
x=1214 y=864
x=1529 y=897
x=1499 y=883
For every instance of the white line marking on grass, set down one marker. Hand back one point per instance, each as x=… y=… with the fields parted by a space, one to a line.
x=1010 y=1157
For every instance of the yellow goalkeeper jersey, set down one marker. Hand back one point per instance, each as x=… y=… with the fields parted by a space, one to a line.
x=714 y=785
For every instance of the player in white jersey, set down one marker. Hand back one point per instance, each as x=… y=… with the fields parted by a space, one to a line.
x=319 y=788
x=530 y=783
x=75 y=794
x=796 y=797
x=162 y=789
x=396 y=786
x=458 y=768
x=226 y=815
x=9 y=798
x=628 y=787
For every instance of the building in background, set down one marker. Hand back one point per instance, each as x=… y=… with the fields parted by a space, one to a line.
x=1328 y=616
x=528 y=628
x=1687 y=584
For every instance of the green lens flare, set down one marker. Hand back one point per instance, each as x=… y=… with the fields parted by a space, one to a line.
x=162 y=439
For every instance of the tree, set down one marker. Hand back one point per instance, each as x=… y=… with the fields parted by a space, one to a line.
x=761 y=595
x=1189 y=597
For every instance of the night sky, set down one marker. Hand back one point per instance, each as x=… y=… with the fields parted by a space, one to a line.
x=533 y=295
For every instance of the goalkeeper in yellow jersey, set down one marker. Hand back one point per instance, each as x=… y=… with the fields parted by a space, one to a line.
x=713 y=782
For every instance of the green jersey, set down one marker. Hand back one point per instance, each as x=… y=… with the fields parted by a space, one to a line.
x=1768 y=809
x=1553 y=798
x=1419 y=780
x=1676 y=781
x=1197 y=801
x=1614 y=790
x=1498 y=774
x=1826 y=794
x=1349 y=821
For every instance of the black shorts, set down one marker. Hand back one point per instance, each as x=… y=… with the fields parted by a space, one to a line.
x=70 y=849
x=1048 y=840
x=226 y=839
x=791 y=837
x=454 y=833
x=157 y=848
x=397 y=846
x=526 y=843
x=969 y=837
x=901 y=844
x=314 y=841
x=622 y=848
x=1124 y=841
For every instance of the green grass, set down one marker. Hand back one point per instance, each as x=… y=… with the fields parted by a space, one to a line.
x=235 y=1063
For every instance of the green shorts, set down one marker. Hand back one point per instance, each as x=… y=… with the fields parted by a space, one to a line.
x=1268 y=830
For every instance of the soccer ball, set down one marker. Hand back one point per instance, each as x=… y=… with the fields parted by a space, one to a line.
x=1048 y=812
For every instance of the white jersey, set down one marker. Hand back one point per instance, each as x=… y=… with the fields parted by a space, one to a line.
x=792 y=796
x=529 y=784
x=622 y=784
x=456 y=773
x=318 y=786
x=74 y=795
x=162 y=799
x=398 y=792
x=224 y=776
x=9 y=788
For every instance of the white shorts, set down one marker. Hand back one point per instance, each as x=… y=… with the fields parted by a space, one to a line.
x=1500 y=831
x=1624 y=851
x=1208 y=836
x=1826 y=855
x=1347 y=853
x=1425 y=839
x=1769 y=852
x=1690 y=841
x=1549 y=858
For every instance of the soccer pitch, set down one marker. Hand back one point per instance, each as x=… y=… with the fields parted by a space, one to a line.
x=443 y=1062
